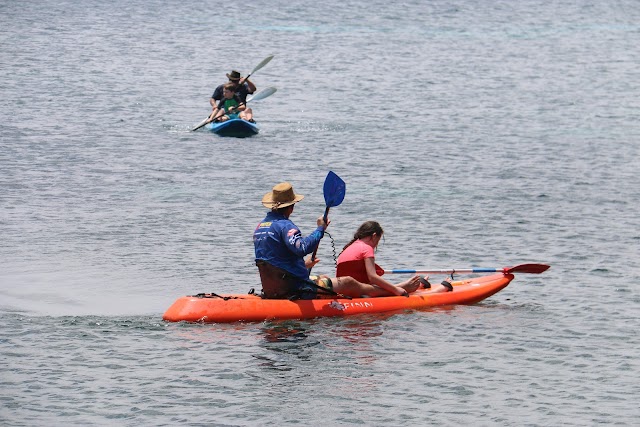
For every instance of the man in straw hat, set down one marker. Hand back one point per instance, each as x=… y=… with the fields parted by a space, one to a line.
x=280 y=250
x=243 y=88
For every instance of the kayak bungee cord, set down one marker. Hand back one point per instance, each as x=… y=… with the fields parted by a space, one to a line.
x=214 y=295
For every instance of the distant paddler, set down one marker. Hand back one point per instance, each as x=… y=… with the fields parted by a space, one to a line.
x=244 y=87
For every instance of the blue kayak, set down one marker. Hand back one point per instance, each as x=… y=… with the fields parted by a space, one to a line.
x=237 y=128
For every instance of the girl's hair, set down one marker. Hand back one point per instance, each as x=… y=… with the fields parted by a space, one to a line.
x=368 y=228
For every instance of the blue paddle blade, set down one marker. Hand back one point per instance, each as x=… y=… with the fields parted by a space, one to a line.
x=334 y=190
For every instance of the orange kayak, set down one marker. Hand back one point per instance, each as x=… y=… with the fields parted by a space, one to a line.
x=211 y=308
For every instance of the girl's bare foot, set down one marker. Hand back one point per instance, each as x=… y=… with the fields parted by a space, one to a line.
x=410 y=285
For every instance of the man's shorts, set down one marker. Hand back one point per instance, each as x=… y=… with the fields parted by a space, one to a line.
x=323 y=288
x=323 y=282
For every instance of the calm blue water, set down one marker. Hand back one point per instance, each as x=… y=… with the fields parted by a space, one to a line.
x=477 y=133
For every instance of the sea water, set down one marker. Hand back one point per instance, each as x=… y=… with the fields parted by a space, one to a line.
x=479 y=134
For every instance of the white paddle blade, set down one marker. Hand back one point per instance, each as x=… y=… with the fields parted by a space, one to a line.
x=264 y=62
x=262 y=94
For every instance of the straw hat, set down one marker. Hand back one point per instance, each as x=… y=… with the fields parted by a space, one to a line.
x=281 y=196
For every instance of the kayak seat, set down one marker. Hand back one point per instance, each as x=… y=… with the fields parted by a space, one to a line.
x=276 y=282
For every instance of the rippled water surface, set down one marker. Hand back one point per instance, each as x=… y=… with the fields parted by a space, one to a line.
x=478 y=134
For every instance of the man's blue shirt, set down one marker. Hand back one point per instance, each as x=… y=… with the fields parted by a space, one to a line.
x=278 y=241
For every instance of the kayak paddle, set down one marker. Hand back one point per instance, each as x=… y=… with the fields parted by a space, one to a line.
x=268 y=91
x=522 y=268
x=334 y=190
x=262 y=63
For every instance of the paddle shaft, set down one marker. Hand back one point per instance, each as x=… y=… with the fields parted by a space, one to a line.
x=222 y=110
x=207 y=120
x=522 y=268
x=452 y=270
x=326 y=215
